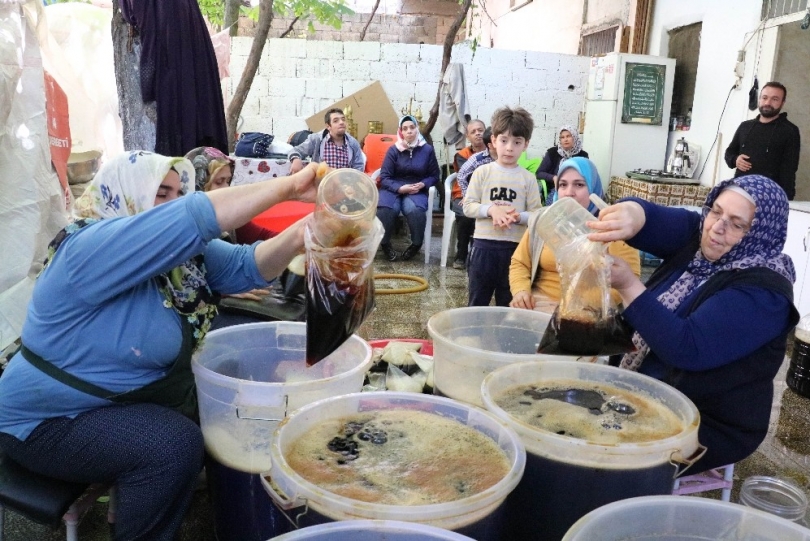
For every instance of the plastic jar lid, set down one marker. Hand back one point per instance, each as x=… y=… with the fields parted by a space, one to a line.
x=775 y=496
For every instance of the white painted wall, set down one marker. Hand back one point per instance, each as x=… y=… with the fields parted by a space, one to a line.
x=603 y=11
x=297 y=78
x=727 y=25
x=542 y=25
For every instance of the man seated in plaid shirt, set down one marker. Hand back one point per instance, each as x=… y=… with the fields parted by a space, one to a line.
x=332 y=145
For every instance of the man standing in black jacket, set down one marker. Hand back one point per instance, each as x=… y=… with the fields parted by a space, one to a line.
x=769 y=144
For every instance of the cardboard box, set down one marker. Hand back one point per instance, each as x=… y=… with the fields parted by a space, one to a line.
x=370 y=103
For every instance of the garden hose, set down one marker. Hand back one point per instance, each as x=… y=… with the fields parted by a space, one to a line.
x=422 y=284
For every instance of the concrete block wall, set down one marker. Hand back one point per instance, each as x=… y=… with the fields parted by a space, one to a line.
x=297 y=78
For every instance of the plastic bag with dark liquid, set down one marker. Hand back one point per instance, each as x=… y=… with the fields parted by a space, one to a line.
x=587 y=320
x=340 y=241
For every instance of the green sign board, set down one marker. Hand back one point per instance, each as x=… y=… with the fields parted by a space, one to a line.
x=643 y=94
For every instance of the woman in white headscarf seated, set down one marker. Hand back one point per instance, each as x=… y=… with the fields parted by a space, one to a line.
x=409 y=170
x=102 y=390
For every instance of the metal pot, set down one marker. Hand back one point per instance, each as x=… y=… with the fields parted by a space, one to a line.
x=83 y=166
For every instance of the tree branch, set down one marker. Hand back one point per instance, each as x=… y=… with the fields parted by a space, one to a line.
x=370 y=18
x=449 y=40
x=251 y=67
x=232 y=16
x=290 y=28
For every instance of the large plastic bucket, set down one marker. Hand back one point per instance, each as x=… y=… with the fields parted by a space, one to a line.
x=372 y=530
x=567 y=477
x=471 y=342
x=250 y=377
x=676 y=518
x=478 y=516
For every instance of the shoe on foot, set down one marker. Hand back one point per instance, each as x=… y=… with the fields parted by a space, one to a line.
x=410 y=251
x=460 y=264
x=390 y=253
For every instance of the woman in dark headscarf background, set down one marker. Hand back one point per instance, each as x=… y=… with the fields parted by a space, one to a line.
x=178 y=72
x=569 y=145
x=409 y=170
x=713 y=319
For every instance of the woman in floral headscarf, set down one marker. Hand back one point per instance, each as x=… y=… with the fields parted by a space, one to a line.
x=409 y=170
x=713 y=319
x=569 y=146
x=101 y=390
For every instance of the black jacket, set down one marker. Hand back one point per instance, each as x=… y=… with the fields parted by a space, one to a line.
x=773 y=150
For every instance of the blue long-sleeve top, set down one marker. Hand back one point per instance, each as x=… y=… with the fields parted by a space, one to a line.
x=97 y=312
x=400 y=168
x=731 y=324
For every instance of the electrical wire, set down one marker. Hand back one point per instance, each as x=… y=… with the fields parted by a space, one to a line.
x=717 y=134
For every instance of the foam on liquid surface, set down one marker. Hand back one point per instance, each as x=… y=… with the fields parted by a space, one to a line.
x=649 y=421
x=401 y=457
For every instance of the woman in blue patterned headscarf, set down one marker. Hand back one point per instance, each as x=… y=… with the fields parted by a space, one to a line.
x=712 y=321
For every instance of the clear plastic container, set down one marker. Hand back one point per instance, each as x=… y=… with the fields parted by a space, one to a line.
x=250 y=377
x=372 y=530
x=477 y=516
x=682 y=518
x=556 y=462
x=471 y=342
x=776 y=496
x=562 y=226
x=345 y=207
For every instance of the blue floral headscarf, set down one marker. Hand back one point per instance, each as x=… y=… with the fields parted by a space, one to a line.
x=127 y=185
x=760 y=247
x=587 y=169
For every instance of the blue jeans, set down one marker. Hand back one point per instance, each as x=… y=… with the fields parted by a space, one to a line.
x=414 y=215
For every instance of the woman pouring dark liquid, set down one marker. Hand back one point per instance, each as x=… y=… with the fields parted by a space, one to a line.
x=713 y=319
x=102 y=390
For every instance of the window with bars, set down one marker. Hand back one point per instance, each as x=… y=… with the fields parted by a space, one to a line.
x=597 y=43
x=776 y=8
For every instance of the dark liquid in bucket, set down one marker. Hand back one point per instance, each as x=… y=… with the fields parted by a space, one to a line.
x=553 y=495
x=586 y=336
x=798 y=376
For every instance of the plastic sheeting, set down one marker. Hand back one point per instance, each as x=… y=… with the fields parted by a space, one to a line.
x=31 y=201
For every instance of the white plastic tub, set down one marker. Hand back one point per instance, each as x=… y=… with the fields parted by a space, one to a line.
x=471 y=342
x=372 y=530
x=250 y=377
x=567 y=477
x=682 y=518
x=478 y=516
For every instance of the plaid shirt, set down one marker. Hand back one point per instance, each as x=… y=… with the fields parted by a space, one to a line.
x=334 y=155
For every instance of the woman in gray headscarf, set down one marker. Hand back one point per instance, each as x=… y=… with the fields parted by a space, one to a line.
x=569 y=146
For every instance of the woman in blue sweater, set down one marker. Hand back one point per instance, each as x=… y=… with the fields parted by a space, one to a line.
x=102 y=389
x=408 y=171
x=712 y=321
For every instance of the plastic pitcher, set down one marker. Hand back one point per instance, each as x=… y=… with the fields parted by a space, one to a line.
x=345 y=208
x=677 y=518
x=562 y=227
x=478 y=516
x=566 y=477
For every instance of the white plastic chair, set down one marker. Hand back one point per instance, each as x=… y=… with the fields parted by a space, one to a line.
x=449 y=230
x=428 y=222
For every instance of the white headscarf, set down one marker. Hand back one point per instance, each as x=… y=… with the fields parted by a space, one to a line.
x=576 y=149
x=127 y=184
